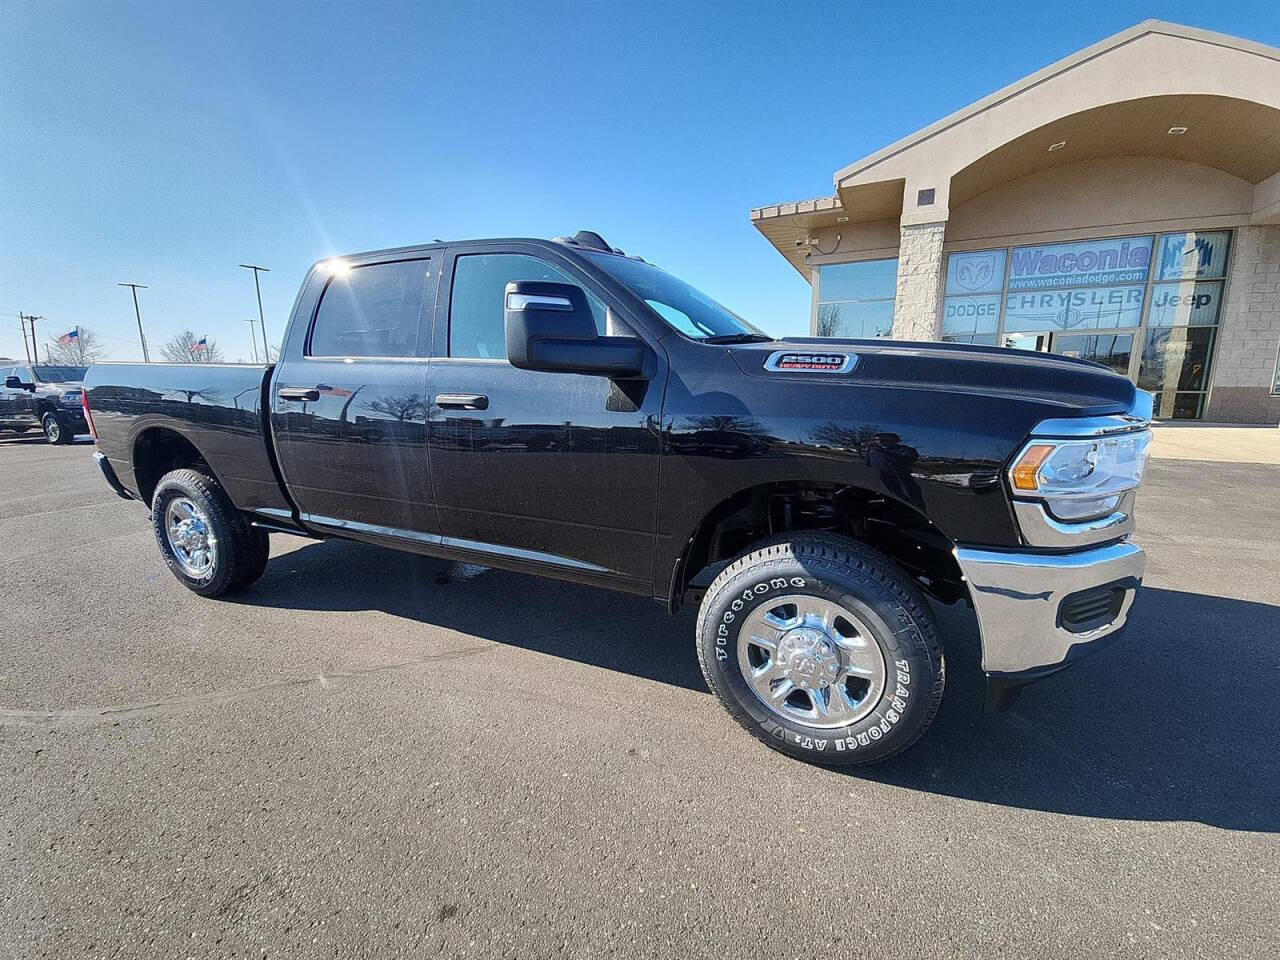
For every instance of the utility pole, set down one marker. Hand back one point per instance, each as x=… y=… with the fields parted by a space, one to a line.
x=26 y=347
x=253 y=336
x=34 y=355
x=146 y=358
x=261 y=321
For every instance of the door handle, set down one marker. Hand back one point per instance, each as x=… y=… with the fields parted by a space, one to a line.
x=311 y=394
x=463 y=401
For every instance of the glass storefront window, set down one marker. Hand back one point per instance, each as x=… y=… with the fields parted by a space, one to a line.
x=856 y=319
x=1109 y=349
x=1086 y=307
x=979 y=272
x=866 y=280
x=1185 y=304
x=1175 y=358
x=1145 y=306
x=1080 y=263
x=971 y=315
x=1193 y=255
x=856 y=299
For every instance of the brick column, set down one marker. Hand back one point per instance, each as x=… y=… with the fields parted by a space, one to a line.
x=917 y=308
x=1249 y=331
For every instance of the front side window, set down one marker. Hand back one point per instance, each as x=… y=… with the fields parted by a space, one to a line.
x=372 y=310
x=477 y=326
x=856 y=299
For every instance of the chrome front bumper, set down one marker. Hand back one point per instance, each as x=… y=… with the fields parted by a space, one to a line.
x=1025 y=602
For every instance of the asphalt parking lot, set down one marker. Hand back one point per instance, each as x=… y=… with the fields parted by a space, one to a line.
x=375 y=754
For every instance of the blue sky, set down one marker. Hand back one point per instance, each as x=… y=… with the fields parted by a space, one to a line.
x=164 y=143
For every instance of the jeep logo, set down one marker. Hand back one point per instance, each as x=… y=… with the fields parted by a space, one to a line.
x=784 y=361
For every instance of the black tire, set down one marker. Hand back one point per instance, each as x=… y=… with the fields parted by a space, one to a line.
x=837 y=570
x=234 y=555
x=55 y=429
x=257 y=553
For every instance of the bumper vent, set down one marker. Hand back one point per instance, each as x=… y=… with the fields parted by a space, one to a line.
x=1090 y=609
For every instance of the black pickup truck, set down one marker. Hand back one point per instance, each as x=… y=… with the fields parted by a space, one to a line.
x=43 y=396
x=560 y=408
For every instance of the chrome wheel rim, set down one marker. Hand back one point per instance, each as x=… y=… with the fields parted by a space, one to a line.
x=190 y=537
x=52 y=430
x=811 y=661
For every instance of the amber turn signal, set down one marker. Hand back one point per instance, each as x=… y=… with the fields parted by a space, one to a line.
x=1028 y=465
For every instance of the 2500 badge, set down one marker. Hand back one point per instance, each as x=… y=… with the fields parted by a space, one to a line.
x=784 y=361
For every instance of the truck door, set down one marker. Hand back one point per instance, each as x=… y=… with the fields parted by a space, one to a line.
x=17 y=404
x=349 y=399
x=554 y=470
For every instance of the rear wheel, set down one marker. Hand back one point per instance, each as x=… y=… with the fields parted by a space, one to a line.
x=822 y=648
x=55 y=431
x=206 y=542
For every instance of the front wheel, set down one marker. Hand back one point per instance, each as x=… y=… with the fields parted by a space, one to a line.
x=206 y=542
x=55 y=431
x=822 y=648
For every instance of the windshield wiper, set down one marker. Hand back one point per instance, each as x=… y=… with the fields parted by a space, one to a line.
x=738 y=338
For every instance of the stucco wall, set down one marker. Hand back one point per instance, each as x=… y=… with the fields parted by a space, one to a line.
x=1095 y=197
x=1249 y=335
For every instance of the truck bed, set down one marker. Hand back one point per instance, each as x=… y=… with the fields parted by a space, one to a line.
x=217 y=408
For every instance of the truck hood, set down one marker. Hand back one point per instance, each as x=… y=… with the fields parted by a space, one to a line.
x=1079 y=386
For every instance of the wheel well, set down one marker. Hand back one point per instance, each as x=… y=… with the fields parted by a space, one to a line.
x=156 y=452
x=901 y=533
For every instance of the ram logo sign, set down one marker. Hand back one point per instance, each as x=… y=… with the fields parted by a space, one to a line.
x=785 y=361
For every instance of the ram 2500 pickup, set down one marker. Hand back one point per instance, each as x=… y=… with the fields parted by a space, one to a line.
x=560 y=408
x=45 y=396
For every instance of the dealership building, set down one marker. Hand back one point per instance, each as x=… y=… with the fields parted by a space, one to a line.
x=1122 y=204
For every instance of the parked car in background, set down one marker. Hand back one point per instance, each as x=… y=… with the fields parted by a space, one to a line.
x=44 y=396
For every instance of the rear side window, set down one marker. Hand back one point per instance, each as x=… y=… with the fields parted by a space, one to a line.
x=371 y=311
x=476 y=324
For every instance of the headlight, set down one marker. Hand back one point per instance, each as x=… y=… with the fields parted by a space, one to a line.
x=71 y=399
x=1080 y=479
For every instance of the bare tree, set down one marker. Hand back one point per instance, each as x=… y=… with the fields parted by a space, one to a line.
x=402 y=407
x=79 y=351
x=828 y=320
x=181 y=348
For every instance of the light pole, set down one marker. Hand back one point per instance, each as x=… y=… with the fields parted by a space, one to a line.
x=146 y=358
x=253 y=336
x=258 y=289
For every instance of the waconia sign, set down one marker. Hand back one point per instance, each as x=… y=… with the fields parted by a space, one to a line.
x=1087 y=262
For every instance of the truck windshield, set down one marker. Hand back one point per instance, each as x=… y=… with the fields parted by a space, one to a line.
x=686 y=308
x=48 y=374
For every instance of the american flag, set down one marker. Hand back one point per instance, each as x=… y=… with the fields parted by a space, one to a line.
x=71 y=336
x=200 y=345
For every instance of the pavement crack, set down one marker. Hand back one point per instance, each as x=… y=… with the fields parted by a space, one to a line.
x=115 y=712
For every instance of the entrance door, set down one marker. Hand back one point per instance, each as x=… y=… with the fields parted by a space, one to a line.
x=349 y=403
x=552 y=470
